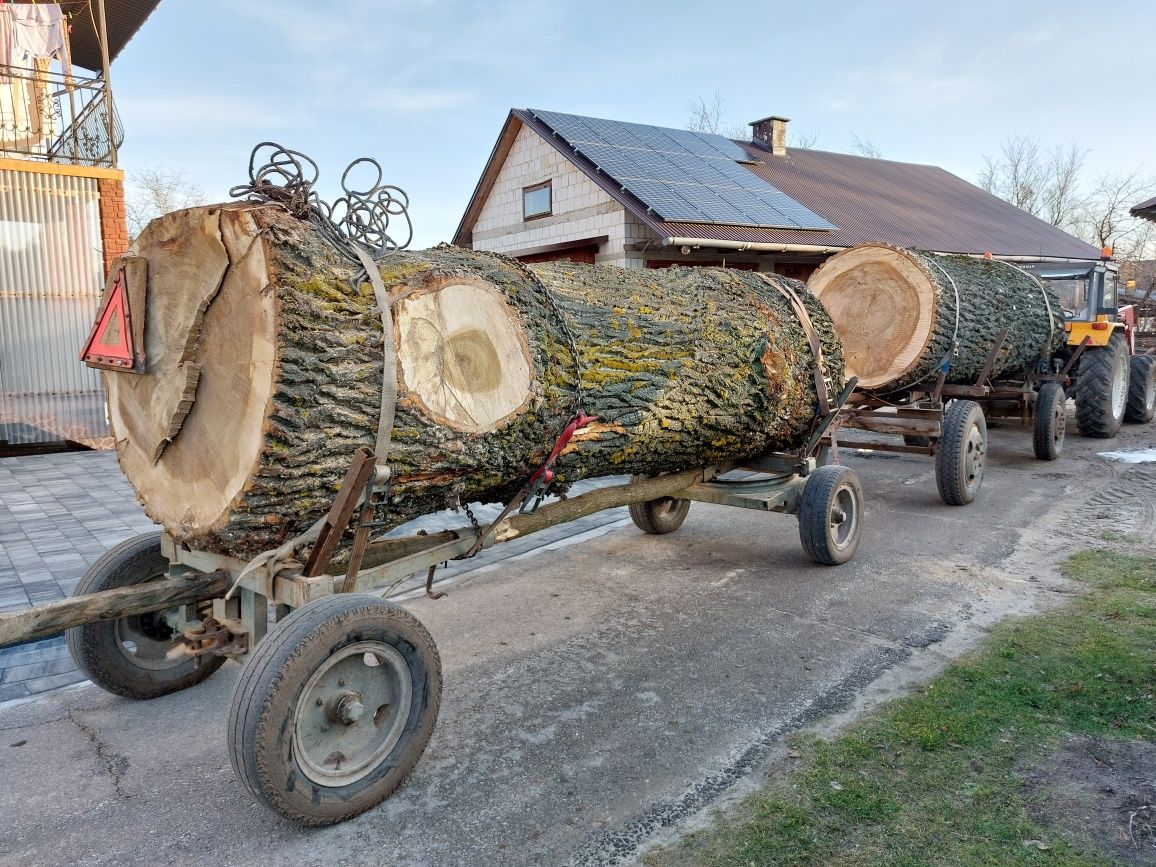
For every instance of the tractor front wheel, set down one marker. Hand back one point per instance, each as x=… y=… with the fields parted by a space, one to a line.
x=1051 y=418
x=962 y=454
x=1102 y=389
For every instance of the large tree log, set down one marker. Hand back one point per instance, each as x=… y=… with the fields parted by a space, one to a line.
x=684 y=368
x=897 y=313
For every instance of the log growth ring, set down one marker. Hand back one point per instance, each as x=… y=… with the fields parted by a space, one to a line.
x=463 y=355
x=882 y=302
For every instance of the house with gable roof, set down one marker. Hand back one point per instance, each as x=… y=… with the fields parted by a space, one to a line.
x=564 y=186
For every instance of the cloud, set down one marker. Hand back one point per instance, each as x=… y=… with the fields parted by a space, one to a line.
x=178 y=112
x=414 y=101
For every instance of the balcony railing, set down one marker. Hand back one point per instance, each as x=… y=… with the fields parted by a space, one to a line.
x=46 y=115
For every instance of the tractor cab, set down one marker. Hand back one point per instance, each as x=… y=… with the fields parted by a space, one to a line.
x=1088 y=295
x=1110 y=383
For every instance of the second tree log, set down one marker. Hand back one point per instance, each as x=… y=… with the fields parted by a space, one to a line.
x=904 y=314
x=265 y=374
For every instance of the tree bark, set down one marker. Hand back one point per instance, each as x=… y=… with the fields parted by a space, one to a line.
x=903 y=313
x=683 y=367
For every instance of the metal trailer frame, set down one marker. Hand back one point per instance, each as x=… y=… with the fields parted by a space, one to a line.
x=923 y=411
x=210 y=607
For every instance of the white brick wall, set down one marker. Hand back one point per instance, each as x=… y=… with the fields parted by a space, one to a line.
x=581 y=209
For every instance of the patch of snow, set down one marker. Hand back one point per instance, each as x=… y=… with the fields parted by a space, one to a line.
x=1132 y=456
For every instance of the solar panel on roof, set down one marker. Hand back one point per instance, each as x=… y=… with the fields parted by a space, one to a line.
x=680 y=175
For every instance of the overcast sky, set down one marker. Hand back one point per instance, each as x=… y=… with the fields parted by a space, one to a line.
x=424 y=87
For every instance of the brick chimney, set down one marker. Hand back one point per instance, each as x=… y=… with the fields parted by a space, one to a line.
x=771 y=132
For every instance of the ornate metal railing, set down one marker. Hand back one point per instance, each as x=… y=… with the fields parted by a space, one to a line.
x=46 y=115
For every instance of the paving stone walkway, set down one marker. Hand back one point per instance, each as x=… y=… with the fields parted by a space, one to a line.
x=60 y=512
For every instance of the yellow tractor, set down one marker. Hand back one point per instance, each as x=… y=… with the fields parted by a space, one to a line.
x=1110 y=382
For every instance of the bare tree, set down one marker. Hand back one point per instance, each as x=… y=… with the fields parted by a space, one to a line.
x=706 y=116
x=1018 y=174
x=1062 y=196
x=1048 y=184
x=1104 y=219
x=154 y=191
x=806 y=140
x=865 y=147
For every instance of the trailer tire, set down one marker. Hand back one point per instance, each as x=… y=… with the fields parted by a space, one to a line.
x=1050 y=422
x=1141 y=390
x=962 y=454
x=304 y=737
x=1101 y=390
x=128 y=656
x=661 y=516
x=831 y=515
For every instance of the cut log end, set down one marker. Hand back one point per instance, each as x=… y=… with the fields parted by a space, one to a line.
x=882 y=303
x=189 y=433
x=463 y=356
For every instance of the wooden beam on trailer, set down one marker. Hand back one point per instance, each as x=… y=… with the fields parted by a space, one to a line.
x=51 y=617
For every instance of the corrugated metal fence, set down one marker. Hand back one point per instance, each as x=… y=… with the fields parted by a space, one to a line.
x=51 y=280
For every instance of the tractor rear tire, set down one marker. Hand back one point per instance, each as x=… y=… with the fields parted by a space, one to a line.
x=962 y=454
x=1051 y=419
x=1141 y=390
x=1102 y=389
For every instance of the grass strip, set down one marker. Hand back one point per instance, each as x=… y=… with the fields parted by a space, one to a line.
x=939 y=777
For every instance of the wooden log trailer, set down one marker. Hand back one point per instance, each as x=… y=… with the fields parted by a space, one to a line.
x=334 y=706
x=940 y=344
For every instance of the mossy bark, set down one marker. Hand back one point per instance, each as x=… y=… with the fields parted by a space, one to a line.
x=683 y=367
x=992 y=296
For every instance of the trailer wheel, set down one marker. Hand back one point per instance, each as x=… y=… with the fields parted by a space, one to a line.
x=831 y=515
x=959 y=463
x=333 y=710
x=1101 y=390
x=1141 y=390
x=1050 y=423
x=657 y=517
x=139 y=656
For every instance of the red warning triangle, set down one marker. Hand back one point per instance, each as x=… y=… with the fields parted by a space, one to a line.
x=110 y=344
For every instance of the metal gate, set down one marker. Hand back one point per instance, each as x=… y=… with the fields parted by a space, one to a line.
x=51 y=278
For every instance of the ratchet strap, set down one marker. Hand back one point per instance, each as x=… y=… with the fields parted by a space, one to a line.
x=812 y=338
x=268 y=563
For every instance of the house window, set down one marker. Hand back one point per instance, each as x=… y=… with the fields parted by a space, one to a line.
x=537 y=201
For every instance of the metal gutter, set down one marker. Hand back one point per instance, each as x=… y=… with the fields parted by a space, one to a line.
x=752 y=246
x=1005 y=258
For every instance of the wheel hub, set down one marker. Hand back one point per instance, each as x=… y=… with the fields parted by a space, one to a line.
x=843 y=518
x=351 y=713
x=347 y=710
x=973 y=462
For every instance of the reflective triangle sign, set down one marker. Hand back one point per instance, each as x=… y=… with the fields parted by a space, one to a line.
x=111 y=343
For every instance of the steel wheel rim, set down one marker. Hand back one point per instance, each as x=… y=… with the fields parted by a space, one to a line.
x=1059 y=423
x=1150 y=393
x=1120 y=387
x=843 y=518
x=147 y=641
x=666 y=508
x=351 y=713
x=973 y=457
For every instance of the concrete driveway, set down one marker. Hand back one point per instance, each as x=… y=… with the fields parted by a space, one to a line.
x=601 y=694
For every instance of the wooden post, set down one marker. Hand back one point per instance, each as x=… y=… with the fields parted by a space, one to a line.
x=51 y=617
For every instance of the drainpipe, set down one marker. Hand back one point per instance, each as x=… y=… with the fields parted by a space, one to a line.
x=110 y=116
